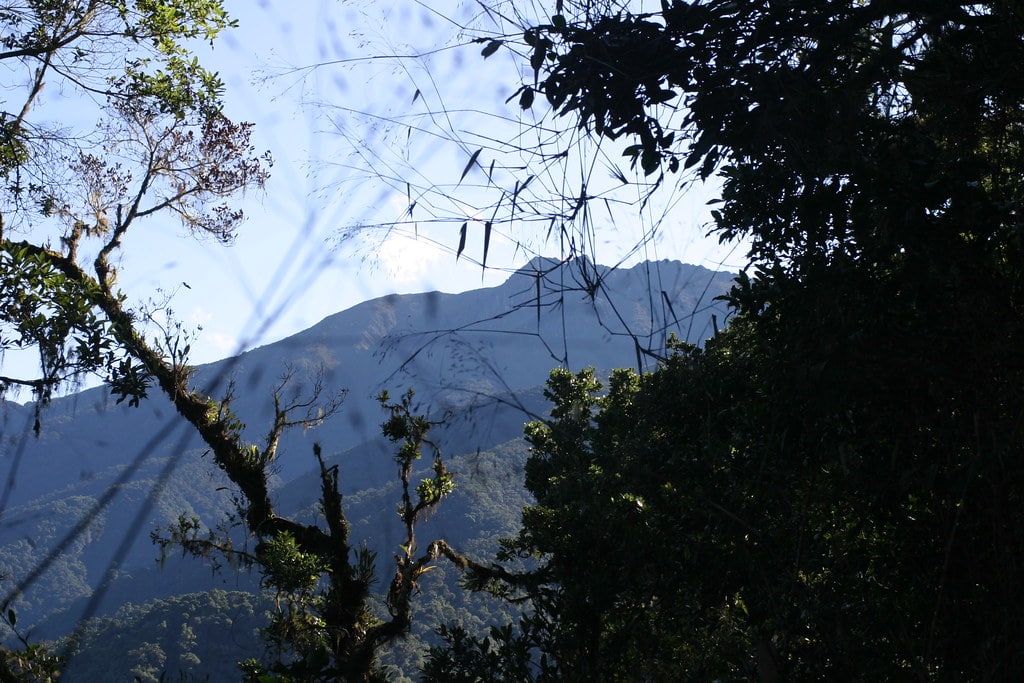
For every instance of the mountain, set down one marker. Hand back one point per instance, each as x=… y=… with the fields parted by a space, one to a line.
x=454 y=349
x=80 y=500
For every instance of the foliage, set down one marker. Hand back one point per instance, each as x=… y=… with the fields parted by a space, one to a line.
x=324 y=626
x=29 y=661
x=160 y=144
x=484 y=506
x=199 y=634
x=156 y=601
x=146 y=137
x=837 y=111
x=830 y=490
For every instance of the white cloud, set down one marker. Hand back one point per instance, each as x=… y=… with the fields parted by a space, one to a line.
x=226 y=344
x=407 y=260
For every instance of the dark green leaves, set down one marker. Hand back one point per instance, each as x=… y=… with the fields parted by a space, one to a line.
x=42 y=308
x=541 y=45
x=848 y=443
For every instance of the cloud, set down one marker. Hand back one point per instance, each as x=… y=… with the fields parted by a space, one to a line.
x=407 y=254
x=224 y=343
x=407 y=260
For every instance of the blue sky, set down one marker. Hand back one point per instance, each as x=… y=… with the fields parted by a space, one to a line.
x=368 y=107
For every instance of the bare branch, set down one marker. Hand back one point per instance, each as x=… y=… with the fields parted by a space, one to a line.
x=314 y=415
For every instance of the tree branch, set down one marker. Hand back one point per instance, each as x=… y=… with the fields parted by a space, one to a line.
x=231 y=455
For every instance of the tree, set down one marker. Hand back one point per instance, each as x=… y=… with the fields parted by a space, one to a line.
x=160 y=144
x=326 y=629
x=829 y=491
x=157 y=143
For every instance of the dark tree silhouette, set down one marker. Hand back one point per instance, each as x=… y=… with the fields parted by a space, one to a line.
x=829 y=490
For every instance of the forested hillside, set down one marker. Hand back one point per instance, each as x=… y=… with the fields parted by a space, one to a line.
x=820 y=482
x=207 y=633
x=86 y=494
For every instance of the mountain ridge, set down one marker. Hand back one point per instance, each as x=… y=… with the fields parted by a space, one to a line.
x=478 y=357
x=453 y=348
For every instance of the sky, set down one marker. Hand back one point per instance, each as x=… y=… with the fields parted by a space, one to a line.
x=372 y=111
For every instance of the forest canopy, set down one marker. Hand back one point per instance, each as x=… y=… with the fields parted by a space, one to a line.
x=829 y=490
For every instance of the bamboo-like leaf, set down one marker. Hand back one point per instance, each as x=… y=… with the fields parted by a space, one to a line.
x=472 y=160
x=462 y=241
x=580 y=202
x=537 y=60
x=487 y=242
x=491 y=48
x=537 y=283
x=515 y=194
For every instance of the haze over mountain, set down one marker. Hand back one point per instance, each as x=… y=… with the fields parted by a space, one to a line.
x=454 y=349
x=479 y=358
